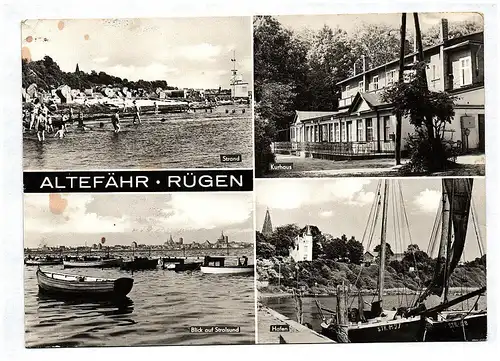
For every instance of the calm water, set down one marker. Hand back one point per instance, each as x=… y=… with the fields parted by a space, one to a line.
x=159 y=311
x=194 y=140
x=286 y=306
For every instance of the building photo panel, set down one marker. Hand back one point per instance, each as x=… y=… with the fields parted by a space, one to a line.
x=377 y=95
x=137 y=93
x=138 y=270
x=371 y=260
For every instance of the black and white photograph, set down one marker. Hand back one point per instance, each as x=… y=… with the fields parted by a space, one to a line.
x=137 y=93
x=369 y=95
x=359 y=260
x=138 y=270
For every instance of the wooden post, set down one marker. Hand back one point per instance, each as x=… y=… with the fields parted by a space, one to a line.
x=400 y=80
x=342 y=321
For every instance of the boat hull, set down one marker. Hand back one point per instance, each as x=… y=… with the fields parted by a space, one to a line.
x=140 y=265
x=402 y=330
x=472 y=327
x=181 y=267
x=82 y=287
x=236 y=270
x=42 y=263
x=106 y=263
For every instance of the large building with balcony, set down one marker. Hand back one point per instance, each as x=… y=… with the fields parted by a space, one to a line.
x=364 y=125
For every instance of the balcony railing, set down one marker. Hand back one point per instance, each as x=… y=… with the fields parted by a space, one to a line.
x=349 y=149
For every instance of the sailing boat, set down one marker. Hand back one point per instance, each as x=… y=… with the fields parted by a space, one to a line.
x=418 y=323
x=377 y=324
x=442 y=325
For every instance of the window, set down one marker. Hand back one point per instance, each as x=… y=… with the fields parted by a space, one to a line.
x=344 y=133
x=387 y=128
x=359 y=127
x=347 y=88
x=375 y=82
x=361 y=86
x=391 y=77
x=336 y=129
x=369 y=130
x=330 y=131
x=465 y=71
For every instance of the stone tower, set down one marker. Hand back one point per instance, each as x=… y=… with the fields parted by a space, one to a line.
x=267 y=228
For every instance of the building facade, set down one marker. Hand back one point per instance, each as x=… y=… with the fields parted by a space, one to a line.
x=302 y=249
x=364 y=125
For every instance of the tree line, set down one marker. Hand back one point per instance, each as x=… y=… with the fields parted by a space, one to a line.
x=47 y=75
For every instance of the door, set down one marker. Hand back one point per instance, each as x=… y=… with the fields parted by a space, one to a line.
x=481 y=132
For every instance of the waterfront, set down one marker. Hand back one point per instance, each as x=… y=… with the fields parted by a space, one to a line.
x=159 y=310
x=186 y=140
x=286 y=305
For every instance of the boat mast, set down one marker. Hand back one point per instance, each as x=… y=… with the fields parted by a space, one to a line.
x=234 y=72
x=383 y=242
x=448 y=244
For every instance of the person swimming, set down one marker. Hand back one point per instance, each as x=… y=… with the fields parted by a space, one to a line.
x=115 y=120
x=137 y=111
x=60 y=132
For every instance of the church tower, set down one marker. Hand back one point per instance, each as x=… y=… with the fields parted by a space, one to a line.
x=267 y=228
x=77 y=70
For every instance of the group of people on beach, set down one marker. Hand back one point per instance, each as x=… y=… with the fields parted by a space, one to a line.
x=40 y=118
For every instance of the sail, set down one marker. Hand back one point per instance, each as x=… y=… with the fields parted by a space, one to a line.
x=455 y=211
x=459 y=192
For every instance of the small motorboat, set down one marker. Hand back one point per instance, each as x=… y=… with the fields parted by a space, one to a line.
x=47 y=261
x=169 y=263
x=216 y=265
x=193 y=266
x=82 y=286
x=93 y=263
x=139 y=264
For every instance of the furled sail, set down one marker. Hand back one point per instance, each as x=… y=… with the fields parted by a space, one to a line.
x=456 y=208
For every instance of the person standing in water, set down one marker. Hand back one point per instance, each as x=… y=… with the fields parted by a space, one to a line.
x=41 y=125
x=156 y=107
x=34 y=114
x=137 y=111
x=115 y=120
x=71 y=115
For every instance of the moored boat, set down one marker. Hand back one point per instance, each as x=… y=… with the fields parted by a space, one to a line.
x=140 y=264
x=181 y=267
x=47 y=261
x=93 y=263
x=216 y=265
x=82 y=286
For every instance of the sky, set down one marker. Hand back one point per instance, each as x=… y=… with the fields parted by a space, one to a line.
x=186 y=52
x=342 y=206
x=350 y=22
x=76 y=219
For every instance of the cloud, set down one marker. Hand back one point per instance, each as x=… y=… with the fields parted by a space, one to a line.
x=295 y=193
x=208 y=211
x=427 y=201
x=199 y=52
x=101 y=59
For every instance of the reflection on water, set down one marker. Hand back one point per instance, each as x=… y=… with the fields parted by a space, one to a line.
x=176 y=143
x=158 y=311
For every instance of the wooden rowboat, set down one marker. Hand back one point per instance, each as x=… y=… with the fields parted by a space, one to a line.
x=181 y=267
x=100 y=263
x=43 y=262
x=82 y=286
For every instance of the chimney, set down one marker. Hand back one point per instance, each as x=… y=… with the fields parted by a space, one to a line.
x=443 y=34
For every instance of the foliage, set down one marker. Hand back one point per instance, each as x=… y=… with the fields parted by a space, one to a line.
x=457 y=29
x=429 y=112
x=264 y=248
x=355 y=251
x=264 y=134
x=47 y=75
x=283 y=238
x=388 y=253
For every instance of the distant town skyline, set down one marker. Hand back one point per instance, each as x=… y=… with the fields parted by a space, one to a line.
x=76 y=219
x=342 y=206
x=149 y=49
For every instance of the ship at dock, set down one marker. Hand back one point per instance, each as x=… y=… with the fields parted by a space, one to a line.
x=416 y=322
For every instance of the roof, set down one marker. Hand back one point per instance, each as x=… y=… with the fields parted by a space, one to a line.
x=374 y=100
x=450 y=42
x=302 y=115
